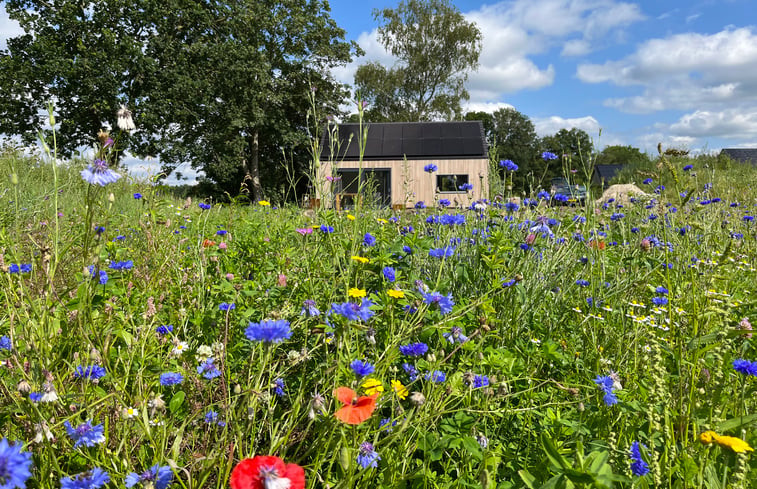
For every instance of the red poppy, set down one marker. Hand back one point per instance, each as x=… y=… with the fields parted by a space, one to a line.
x=356 y=409
x=206 y=243
x=597 y=245
x=267 y=472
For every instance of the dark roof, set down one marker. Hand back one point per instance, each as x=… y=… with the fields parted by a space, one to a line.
x=744 y=155
x=607 y=172
x=413 y=140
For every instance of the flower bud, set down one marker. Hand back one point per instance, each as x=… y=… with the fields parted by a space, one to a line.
x=111 y=197
x=14 y=178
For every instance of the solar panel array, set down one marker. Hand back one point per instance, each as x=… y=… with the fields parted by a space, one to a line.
x=414 y=140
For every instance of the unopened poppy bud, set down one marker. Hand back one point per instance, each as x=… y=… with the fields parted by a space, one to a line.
x=23 y=387
x=111 y=197
x=431 y=357
x=418 y=398
x=14 y=179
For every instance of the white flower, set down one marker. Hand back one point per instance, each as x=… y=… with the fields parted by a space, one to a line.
x=42 y=432
x=203 y=353
x=131 y=412
x=179 y=348
x=125 y=122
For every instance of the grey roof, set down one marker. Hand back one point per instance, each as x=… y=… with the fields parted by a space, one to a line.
x=744 y=155
x=607 y=172
x=413 y=140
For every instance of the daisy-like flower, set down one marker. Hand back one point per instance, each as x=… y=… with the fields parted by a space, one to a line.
x=395 y=294
x=85 y=434
x=736 y=444
x=356 y=293
x=269 y=331
x=264 y=203
x=15 y=465
x=157 y=477
x=266 y=472
x=400 y=389
x=93 y=479
x=361 y=259
x=372 y=387
x=98 y=173
x=124 y=121
x=179 y=348
x=130 y=412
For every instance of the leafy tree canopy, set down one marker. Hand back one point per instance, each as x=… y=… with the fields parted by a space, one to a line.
x=223 y=85
x=621 y=155
x=435 y=47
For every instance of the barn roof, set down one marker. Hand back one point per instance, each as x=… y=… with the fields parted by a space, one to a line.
x=411 y=140
x=744 y=155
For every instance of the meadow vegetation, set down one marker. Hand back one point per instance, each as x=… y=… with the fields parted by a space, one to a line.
x=160 y=341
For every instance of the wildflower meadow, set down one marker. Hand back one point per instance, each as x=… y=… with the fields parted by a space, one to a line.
x=151 y=341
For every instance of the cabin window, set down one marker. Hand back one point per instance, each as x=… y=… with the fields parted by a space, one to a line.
x=451 y=183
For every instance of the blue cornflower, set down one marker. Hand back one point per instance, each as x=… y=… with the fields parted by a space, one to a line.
x=211 y=417
x=606 y=383
x=444 y=203
x=204 y=206
x=13 y=268
x=560 y=198
x=27 y=267
x=744 y=218
x=445 y=252
x=35 y=396
x=512 y=206
x=466 y=187
x=103 y=276
x=582 y=283
x=85 y=434
x=420 y=205
x=688 y=167
x=617 y=216
x=92 y=479
x=309 y=309
x=353 y=311
x=369 y=240
x=269 y=331
x=508 y=165
x=98 y=173
x=164 y=329
x=436 y=376
x=389 y=274
x=638 y=466
x=387 y=424
x=414 y=349
x=222 y=232
x=208 y=369
x=407 y=250
x=661 y=290
x=659 y=189
x=543 y=195
x=480 y=381
x=121 y=265
x=5 y=343
x=455 y=335
x=367 y=456
x=411 y=371
x=171 y=378
x=361 y=368
x=647 y=181
x=15 y=465
x=157 y=476
x=659 y=301
x=745 y=367
x=326 y=229
x=430 y=168
x=278 y=387
x=444 y=302
x=92 y=372
x=137 y=196
x=226 y=306
x=547 y=155
x=508 y=283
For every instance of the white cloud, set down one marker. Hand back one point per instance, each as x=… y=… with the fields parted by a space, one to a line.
x=8 y=28
x=513 y=32
x=728 y=123
x=489 y=107
x=684 y=72
x=648 y=142
x=546 y=126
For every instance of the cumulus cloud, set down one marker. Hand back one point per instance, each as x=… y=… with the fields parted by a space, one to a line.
x=489 y=107
x=683 y=71
x=729 y=123
x=546 y=126
x=515 y=31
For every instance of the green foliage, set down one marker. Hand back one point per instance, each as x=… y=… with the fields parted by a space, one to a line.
x=220 y=85
x=622 y=155
x=435 y=47
x=574 y=148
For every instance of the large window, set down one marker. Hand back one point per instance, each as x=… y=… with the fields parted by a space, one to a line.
x=451 y=183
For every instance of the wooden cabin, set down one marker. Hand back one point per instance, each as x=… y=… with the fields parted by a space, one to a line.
x=391 y=168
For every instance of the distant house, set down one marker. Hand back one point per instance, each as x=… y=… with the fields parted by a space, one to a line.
x=742 y=155
x=604 y=173
x=394 y=159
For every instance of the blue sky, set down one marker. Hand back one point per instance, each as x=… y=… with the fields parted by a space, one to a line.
x=680 y=73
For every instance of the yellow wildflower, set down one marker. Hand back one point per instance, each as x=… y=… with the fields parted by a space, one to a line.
x=264 y=202
x=736 y=444
x=372 y=386
x=382 y=221
x=397 y=294
x=361 y=259
x=355 y=292
x=400 y=389
x=350 y=217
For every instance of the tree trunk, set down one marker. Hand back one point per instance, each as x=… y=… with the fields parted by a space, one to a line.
x=252 y=167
